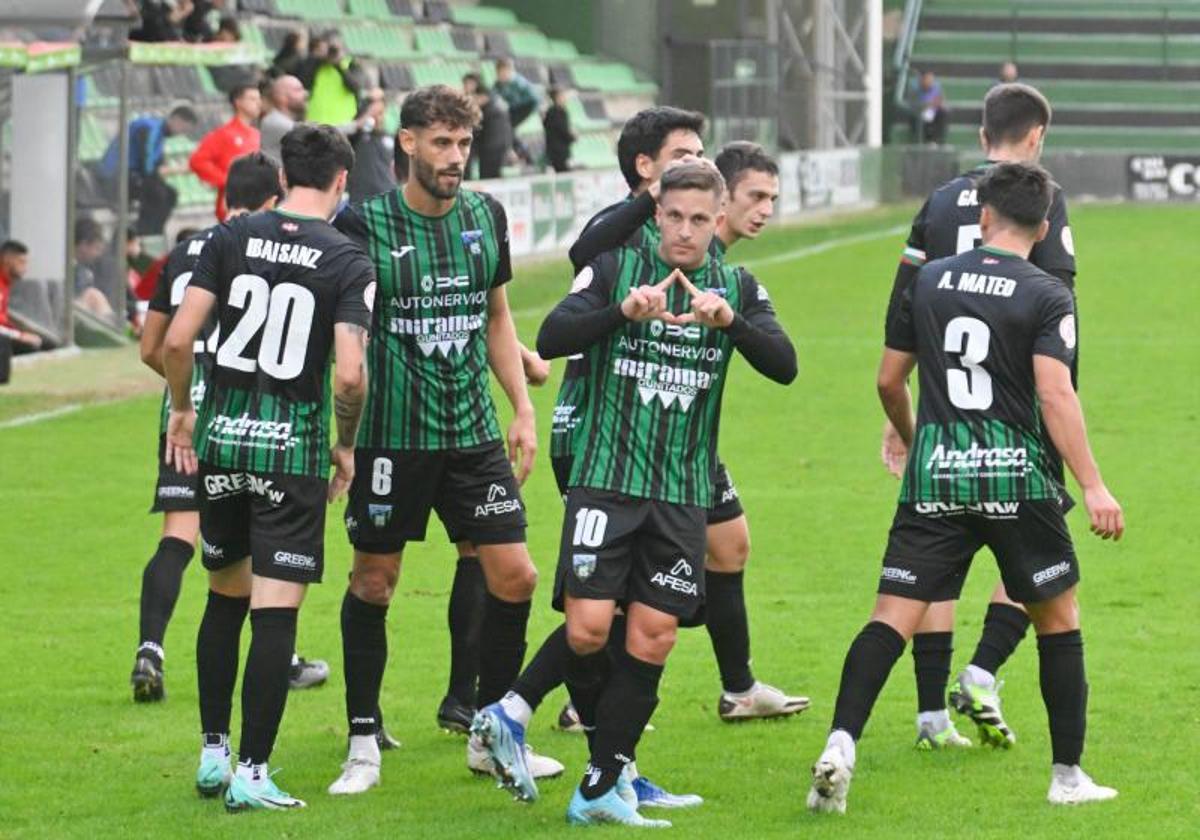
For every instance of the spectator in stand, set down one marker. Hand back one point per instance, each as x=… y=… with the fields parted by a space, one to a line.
x=374 y=150
x=333 y=80
x=162 y=20
x=288 y=101
x=89 y=250
x=493 y=140
x=933 y=110
x=1008 y=73
x=520 y=96
x=235 y=138
x=556 y=125
x=137 y=261
x=228 y=31
x=291 y=55
x=197 y=26
x=14 y=262
x=147 y=182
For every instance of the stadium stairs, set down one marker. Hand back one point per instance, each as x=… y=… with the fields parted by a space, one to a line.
x=403 y=44
x=1120 y=74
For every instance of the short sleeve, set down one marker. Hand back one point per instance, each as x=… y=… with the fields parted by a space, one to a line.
x=900 y=332
x=504 y=257
x=1056 y=326
x=160 y=301
x=915 y=245
x=350 y=222
x=1056 y=253
x=356 y=291
x=213 y=260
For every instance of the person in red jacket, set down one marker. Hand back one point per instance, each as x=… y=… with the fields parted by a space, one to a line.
x=235 y=138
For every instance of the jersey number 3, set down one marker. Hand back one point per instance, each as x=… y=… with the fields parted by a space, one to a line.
x=282 y=315
x=968 y=338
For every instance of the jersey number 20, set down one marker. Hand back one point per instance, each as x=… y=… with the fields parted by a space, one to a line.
x=284 y=317
x=969 y=339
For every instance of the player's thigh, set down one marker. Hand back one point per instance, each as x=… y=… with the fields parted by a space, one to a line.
x=390 y=497
x=728 y=545
x=668 y=569
x=508 y=570
x=479 y=498
x=901 y=613
x=1059 y=614
x=268 y=592
x=224 y=503
x=287 y=527
x=588 y=621
x=182 y=525
x=232 y=581
x=596 y=547
x=1033 y=550
x=939 y=618
x=650 y=633
x=928 y=554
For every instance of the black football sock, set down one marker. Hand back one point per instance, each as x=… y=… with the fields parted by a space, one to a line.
x=217 y=659
x=931 y=653
x=265 y=682
x=501 y=647
x=868 y=663
x=364 y=658
x=729 y=629
x=465 y=617
x=586 y=676
x=1004 y=627
x=1065 y=693
x=544 y=672
x=161 y=581
x=624 y=709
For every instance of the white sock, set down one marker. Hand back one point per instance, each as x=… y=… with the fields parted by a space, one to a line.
x=295 y=659
x=156 y=649
x=515 y=707
x=937 y=721
x=981 y=677
x=631 y=771
x=218 y=750
x=738 y=695
x=364 y=747
x=252 y=772
x=841 y=739
x=1070 y=774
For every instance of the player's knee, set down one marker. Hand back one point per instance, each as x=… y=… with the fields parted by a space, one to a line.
x=652 y=644
x=515 y=583
x=375 y=584
x=1060 y=614
x=585 y=639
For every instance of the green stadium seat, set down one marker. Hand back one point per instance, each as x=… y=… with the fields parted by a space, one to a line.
x=529 y=43
x=609 y=77
x=490 y=16
x=581 y=120
x=311 y=9
x=436 y=41
x=370 y=9
x=594 y=150
x=441 y=72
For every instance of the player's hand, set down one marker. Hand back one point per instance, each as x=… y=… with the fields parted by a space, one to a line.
x=1108 y=522
x=656 y=185
x=180 y=453
x=342 y=458
x=645 y=303
x=537 y=369
x=708 y=308
x=893 y=453
x=522 y=444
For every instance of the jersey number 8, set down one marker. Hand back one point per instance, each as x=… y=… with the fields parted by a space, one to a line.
x=970 y=388
x=286 y=307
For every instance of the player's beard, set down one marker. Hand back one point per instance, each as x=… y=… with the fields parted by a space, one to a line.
x=427 y=177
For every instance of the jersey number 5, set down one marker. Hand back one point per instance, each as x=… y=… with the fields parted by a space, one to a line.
x=286 y=312
x=970 y=388
x=969 y=237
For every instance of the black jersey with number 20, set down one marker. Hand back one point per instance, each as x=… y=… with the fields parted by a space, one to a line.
x=975 y=321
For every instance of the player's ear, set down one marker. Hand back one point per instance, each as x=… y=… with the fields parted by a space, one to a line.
x=644 y=164
x=1043 y=229
x=983 y=143
x=985 y=222
x=408 y=141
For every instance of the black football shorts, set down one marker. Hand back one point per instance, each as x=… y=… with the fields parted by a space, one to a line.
x=931 y=545
x=174 y=491
x=278 y=520
x=473 y=491
x=726 y=504
x=620 y=548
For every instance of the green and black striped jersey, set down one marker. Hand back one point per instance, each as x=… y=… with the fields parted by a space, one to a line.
x=168 y=294
x=282 y=281
x=428 y=385
x=654 y=389
x=975 y=321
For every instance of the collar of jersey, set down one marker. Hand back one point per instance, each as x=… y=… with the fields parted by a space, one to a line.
x=292 y=215
x=992 y=249
x=659 y=262
x=408 y=209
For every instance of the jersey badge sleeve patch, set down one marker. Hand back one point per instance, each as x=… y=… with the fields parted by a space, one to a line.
x=582 y=280
x=913 y=256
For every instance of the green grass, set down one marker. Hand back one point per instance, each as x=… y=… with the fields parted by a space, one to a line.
x=79 y=759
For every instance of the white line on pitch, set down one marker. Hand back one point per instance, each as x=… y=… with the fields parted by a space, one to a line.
x=828 y=245
x=26 y=419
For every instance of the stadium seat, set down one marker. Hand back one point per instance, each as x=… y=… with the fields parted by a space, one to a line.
x=395 y=76
x=441 y=73
x=404 y=8
x=435 y=41
x=310 y=9
x=370 y=9
x=259 y=7
x=437 y=11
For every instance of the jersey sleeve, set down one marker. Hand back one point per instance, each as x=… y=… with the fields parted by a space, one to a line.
x=1056 y=253
x=214 y=260
x=899 y=331
x=160 y=301
x=759 y=336
x=915 y=246
x=504 y=259
x=611 y=228
x=351 y=223
x=356 y=291
x=587 y=314
x=1056 y=326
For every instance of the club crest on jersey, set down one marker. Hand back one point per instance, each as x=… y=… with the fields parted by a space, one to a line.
x=290 y=227
x=471 y=239
x=584 y=565
x=380 y=514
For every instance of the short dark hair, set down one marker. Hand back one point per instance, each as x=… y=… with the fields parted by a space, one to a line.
x=314 y=154
x=692 y=175
x=439 y=104
x=235 y=92
x=185 y=113
x=88 y=229
x=253 y=179
x=399 y=161
x=185 y=234
x=645 y=133
x=1011 y=110
x=12 y=246
x=741 y=156
x=1020 y=192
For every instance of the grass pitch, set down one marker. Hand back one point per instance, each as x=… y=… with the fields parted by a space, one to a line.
x=79 y=759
